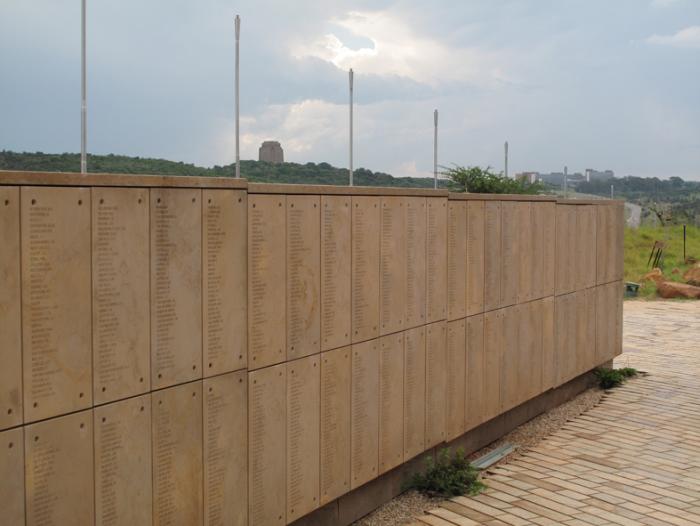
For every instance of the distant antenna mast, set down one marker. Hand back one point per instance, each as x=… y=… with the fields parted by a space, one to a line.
x=83 y=95
x=506 y=156
x=351 y=90
x=238 y=145
x=435 y=149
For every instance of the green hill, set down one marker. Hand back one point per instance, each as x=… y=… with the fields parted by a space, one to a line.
x=256 y=171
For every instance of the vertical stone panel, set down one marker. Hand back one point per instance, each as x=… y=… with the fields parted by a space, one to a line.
x=580 y=311
x=493 y=355
x=365 y=268
x=533 y=359
x=510 y=358
x=414 y=394
x=226 y=449
x=120 y=293
x=10 y=311
x=585 y=247
x=303 y=435
x=416 y=217
x=537 y=266
x=604 y=243
x=177 y=455
x=525 y=255
x=560 y=339
x=589 y=329
x=392 y=265
x=549 y=365
x=456 y=260
x=591 y=244
x=510 y=253
x=364 y=427
x=476 y=370
x=456 y=377
x=56 y=312
x=59 y=470
x=267 y=280
x=435 y=384
x=475 y=257
x=267 y=491
x=303 y=276
x=565 y=327
x=548 y=249
x=335 y=423
x=12 y=479
x=608 y=321
x=436 y=264
x=603 y=342
x=492 y=255
x=123 y=493
x=391 y=401
x=225 y=281
x=176 y=286
x=563 y=264
x=336 y=251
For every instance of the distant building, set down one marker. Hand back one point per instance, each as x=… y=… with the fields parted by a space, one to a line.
x=271 y=152
x=530 y=177
x=595 y=175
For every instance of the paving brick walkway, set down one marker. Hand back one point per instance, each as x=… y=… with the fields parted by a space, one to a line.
x=632 y=460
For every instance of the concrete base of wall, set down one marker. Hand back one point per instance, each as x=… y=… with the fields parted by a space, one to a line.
x=363 y=500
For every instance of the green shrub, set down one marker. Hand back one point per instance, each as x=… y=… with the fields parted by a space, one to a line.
x=609 y=378
x=477 y=180
x=449 y=476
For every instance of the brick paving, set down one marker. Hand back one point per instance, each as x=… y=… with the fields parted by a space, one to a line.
x=632 y=460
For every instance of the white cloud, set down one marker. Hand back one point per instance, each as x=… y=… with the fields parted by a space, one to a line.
x=399 y=50
x=409 y=169
x=685 y=38
x=305 y=128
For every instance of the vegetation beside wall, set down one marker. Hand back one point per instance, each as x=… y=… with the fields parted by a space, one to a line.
x=638 y=244
x=475 y=179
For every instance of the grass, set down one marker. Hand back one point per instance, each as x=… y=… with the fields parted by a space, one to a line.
x=609 y=378
x=449 y=476
x=638 y=243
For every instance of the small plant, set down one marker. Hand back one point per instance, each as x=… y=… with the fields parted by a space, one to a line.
x=609 y=378
x=449 y=476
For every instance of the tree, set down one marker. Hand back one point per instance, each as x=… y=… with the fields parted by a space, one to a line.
x=477 y=180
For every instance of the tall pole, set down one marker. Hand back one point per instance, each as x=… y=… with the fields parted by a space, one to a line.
x=238 y=145
x=435 y=150
x=566 y=181
x=612 y=191
x=83 y=96
x=351 y=90
x=505 y=146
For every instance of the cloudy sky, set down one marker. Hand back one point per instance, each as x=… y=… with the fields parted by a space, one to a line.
x=583 y=83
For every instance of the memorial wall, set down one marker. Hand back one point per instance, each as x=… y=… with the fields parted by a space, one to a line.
x=184 y=351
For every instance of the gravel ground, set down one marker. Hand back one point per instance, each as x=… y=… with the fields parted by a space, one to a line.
x=404 y=508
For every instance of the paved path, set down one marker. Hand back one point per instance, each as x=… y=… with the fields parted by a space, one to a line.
x=632 y=460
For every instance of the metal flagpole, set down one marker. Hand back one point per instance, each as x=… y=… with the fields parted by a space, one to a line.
x=505 y=146
x=238 y=146
x=83 y=103
x=435 y=150
x=351 y=89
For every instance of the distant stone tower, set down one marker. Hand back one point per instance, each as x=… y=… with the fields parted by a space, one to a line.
x=271 y=152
